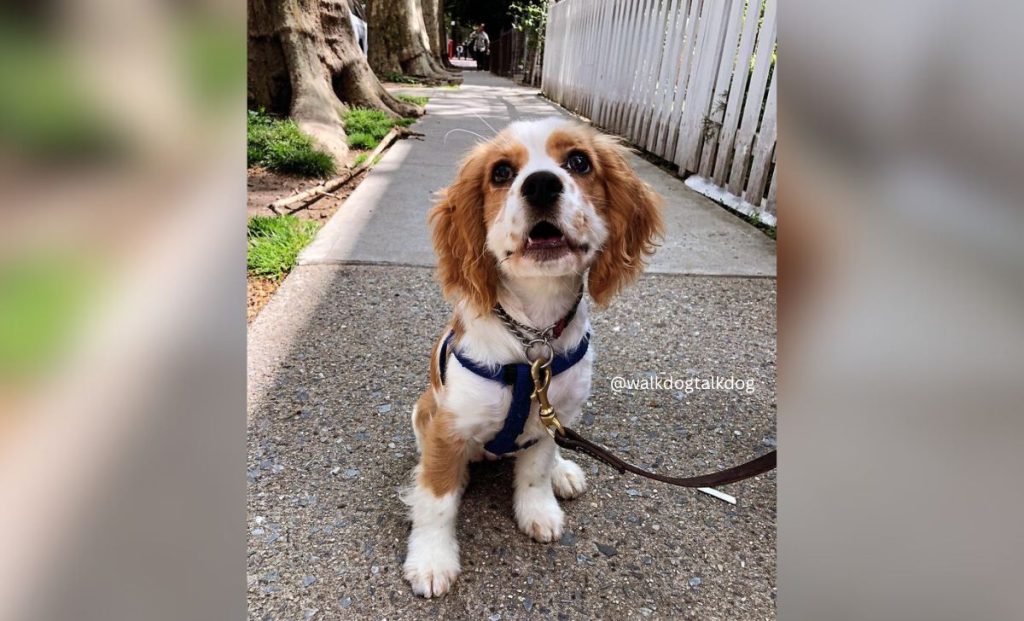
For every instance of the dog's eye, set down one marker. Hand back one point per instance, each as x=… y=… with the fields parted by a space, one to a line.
x=502 y=174
x=578 y=162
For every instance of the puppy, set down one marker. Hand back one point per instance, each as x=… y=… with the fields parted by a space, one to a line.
x=535 y=212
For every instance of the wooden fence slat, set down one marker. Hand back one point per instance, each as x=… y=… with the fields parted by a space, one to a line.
x=721 y=88
x=763 y=149
x=648 y=60
x=629 y=67
x=667 y=82
x=664 y=48
x=755 y=94
x=737 y=86
x=698 y=97
x=655 y=53
x=616 y=47
x=590 y=66
x=625 y=78
x=682 y=79
x=599 y=29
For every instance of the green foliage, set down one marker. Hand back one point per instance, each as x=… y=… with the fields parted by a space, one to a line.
x=530 y=16
x=415 y=100
x=366 y=127
x=362 y=141
x=42 y=301
x=214 y=64
x=392 y=76
x=275 y=243
x=48 y=110
x=359 y=160
x=280 y=146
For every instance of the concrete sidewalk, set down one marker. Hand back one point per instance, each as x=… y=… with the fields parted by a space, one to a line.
x=338 y=357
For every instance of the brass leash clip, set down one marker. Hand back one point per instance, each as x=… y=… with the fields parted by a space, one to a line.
x=540 y=371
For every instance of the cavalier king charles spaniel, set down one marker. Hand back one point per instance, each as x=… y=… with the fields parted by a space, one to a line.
x=533 y=214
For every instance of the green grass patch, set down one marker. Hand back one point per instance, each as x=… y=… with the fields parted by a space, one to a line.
x=416 y=100
x=399 y=78
x=280 y=146
x=366 y=127
x=360 y=159
x=275 y=243
x=362 y=141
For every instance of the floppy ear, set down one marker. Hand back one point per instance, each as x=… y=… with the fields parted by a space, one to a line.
x=632 y=212
x=466 y=270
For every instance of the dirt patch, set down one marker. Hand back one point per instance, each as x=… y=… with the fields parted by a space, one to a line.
x=259 y=291
x=265 y=187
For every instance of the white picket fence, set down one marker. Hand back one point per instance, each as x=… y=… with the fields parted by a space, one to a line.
x=692 y=81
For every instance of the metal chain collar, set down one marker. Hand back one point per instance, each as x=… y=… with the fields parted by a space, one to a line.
x=529 y=336
x=524 y=333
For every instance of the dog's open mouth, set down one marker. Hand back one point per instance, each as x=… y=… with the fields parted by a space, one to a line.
x=546 y=241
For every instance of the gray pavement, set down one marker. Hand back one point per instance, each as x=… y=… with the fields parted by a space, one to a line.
x=339 y=356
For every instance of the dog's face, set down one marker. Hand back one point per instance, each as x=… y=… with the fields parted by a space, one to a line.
x=543 y=199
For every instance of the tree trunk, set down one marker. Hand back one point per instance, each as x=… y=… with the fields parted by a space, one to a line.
x=433 y=19
x=304 y=61
x=399 y=41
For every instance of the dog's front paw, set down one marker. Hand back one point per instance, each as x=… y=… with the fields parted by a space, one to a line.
x=540 y=517
x=568 y=479
x=432 y=575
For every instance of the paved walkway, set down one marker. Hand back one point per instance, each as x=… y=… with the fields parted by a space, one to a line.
x=339 y=356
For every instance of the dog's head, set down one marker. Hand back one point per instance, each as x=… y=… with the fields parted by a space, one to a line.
x=543 y=199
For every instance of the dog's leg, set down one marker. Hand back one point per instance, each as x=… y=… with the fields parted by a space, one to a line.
x=432 y=562
x=422 y=413
x=567 y=478
x=537 y=510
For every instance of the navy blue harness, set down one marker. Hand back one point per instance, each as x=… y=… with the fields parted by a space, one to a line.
x=516 y=375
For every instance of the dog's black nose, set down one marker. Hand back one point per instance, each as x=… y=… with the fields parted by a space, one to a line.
x=542 y=189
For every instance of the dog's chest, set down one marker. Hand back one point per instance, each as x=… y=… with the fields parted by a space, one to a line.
x=480 y=405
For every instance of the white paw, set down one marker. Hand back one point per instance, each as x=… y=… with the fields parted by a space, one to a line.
x=568 y=479
x=432 y=572
x=540 y=517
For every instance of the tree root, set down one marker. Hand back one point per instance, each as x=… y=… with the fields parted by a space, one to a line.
x=308 y=197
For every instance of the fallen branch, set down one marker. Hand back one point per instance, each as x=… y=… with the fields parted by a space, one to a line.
x=312 y=195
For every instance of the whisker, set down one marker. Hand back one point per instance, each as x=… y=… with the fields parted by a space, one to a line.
x=466 y=131
x=484 y=121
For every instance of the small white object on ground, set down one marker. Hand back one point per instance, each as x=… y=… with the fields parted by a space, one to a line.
x=710 y=491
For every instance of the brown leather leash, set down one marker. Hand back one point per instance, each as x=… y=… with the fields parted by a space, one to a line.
x=569 y=439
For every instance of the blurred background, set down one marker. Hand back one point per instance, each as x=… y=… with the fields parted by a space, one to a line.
x=122 y=325
x=900 y=273
x=122 y=321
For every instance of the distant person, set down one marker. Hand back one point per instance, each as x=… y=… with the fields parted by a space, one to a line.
x=480 y=45
x=357 y=16
x=458 y=51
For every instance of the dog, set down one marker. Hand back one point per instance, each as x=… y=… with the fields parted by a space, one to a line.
x=533 y=214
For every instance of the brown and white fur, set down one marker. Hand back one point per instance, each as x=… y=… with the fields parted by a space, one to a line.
x=607 y=220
